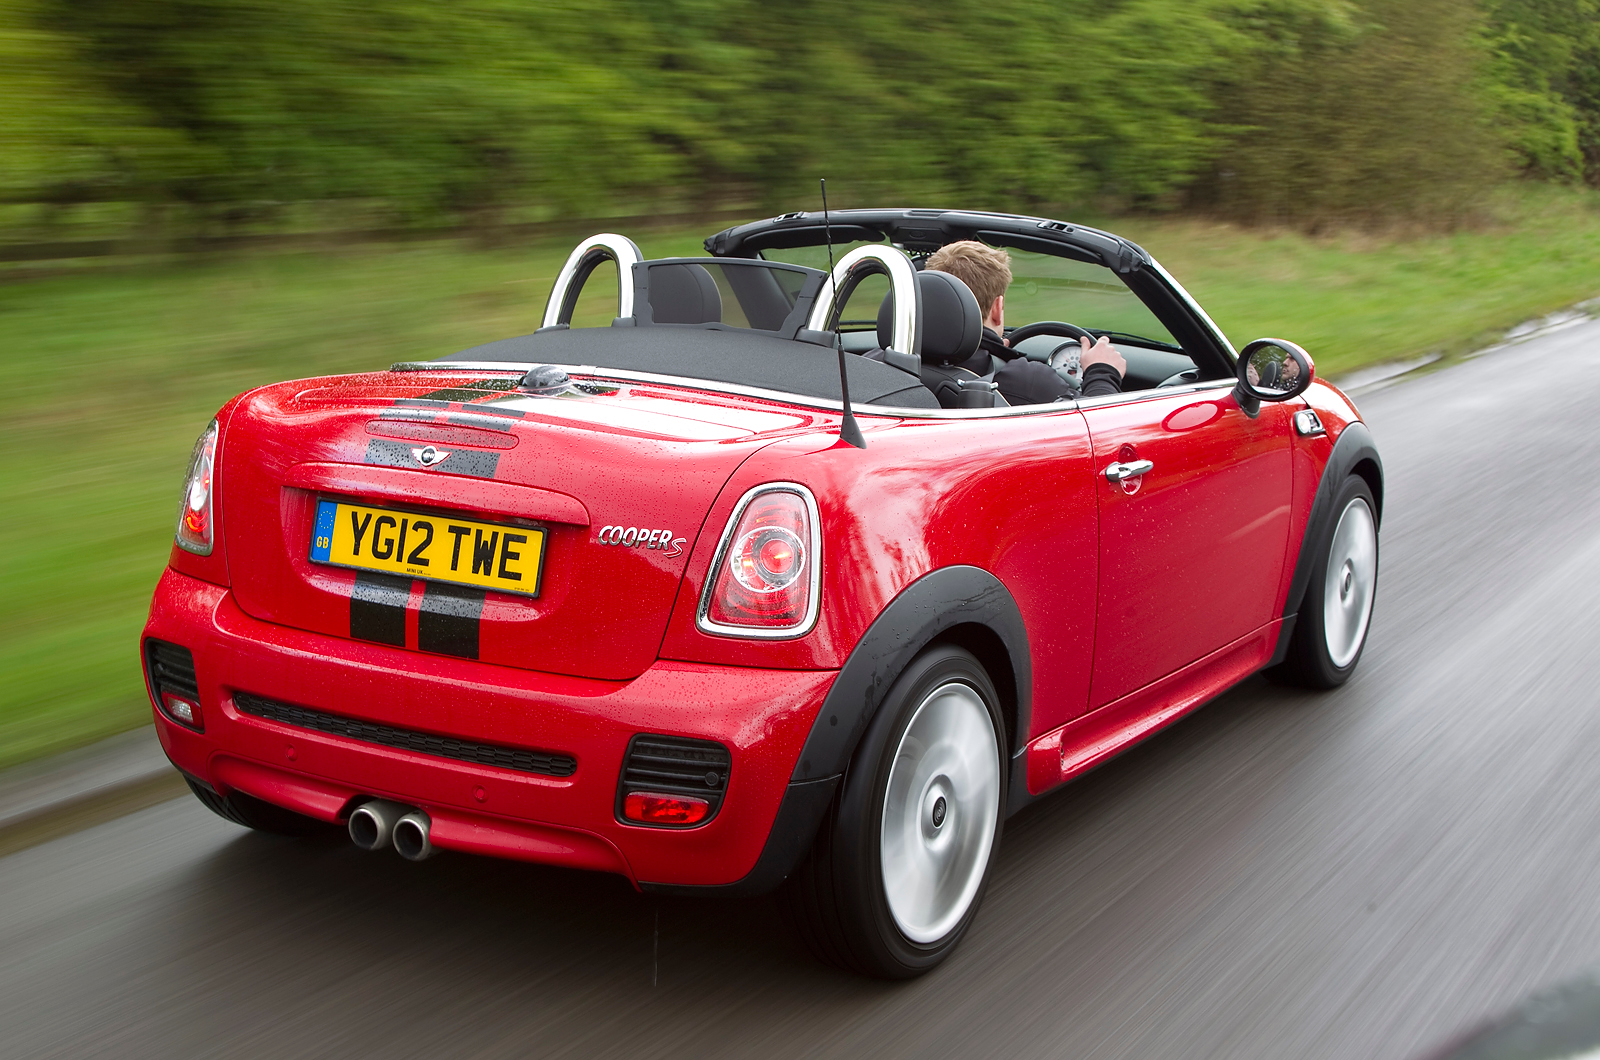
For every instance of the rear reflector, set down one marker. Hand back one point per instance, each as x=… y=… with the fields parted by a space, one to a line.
x=654 y=807
x=184 y=711
x=170 y=671
x=672 y=781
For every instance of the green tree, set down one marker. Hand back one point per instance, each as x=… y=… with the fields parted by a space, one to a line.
x=64 y=136
x=1374 y=114
x=1545 y=83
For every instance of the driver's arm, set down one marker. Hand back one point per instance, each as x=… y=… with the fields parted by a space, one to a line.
x=1102 y=367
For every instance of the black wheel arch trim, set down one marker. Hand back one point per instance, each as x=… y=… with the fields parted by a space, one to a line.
x=1354 y=452
x=805 y=803
x=925 y=611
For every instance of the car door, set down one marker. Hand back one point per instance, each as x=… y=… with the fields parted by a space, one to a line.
x=1191 y=550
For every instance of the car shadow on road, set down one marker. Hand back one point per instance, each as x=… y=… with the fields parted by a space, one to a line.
x=305 y=901
x=321 y=904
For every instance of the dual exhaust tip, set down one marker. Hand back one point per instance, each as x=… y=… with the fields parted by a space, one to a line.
x=377 y=822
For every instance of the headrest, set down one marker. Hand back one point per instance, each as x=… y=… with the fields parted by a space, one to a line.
x=952 y=323
x=684 y=294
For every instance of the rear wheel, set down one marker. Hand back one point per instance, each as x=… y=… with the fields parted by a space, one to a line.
x=1337 y=609
x=900 y=865
x=253 y=813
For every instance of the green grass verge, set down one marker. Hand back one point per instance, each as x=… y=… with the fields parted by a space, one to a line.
x=111 y=375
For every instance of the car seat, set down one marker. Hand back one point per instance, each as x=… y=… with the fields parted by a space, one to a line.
x=952 y=330
x=684 y=294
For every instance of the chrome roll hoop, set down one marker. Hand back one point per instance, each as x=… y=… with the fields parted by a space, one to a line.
x=902 y=281
x=583 y=261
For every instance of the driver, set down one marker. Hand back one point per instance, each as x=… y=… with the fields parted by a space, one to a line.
x=987 y=271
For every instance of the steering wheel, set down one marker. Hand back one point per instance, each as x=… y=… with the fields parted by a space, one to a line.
x=1051 y=327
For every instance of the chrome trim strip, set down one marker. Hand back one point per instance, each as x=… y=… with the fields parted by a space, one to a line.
x=804 y=401
x=1105 y=400
x=620 y=249
x=813 y=605
x=902 y=280
x=1189 y=299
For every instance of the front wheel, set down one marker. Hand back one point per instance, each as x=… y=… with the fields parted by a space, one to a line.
x=1337 y=609
x=899 y=867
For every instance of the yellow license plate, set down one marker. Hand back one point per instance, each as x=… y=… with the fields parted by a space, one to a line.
x=507 y=559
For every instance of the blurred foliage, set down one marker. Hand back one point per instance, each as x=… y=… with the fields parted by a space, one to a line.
x=1378 y=114
x=1545 y=81
x=227 y=112
x=64 y=135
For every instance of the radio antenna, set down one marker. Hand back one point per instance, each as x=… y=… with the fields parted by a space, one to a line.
x=849 y=431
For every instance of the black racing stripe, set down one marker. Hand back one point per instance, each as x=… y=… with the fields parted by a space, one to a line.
x=470 y=462
x=489 y=423
x=427 y=402
x=491 y=410
x=473 y=462
x=472 y=390
x=390 y=454
x=407 y=414
x=448 y=621
x=378 y=608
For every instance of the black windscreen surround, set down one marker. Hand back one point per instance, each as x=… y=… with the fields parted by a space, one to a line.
x=744 y=358
x=921 y=230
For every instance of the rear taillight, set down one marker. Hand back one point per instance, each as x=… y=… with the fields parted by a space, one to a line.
x=196 y=529
x=766 y=576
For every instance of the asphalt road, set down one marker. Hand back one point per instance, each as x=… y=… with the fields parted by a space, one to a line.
x=1368 y=873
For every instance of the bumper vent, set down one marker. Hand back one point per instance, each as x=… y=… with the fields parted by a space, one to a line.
x=171 y=669
x=673 y=765
x=483 y=754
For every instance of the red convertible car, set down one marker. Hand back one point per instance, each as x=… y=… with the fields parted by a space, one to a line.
x=752 y=587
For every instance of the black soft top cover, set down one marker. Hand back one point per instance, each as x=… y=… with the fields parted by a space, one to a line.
x=737 y=356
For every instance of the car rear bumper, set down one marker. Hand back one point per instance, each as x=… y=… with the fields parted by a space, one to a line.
x=761 y=716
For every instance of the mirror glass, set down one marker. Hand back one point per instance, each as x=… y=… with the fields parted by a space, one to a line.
x=1272 y=370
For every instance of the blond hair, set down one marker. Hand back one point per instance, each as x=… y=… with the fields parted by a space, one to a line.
x=983 y=268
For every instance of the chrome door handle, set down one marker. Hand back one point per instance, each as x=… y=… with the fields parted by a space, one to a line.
x=1133 y=469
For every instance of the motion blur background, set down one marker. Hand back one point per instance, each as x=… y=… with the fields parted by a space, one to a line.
x=198 y=196
x=174 y=116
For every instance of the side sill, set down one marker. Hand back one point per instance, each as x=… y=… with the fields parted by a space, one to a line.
x=1096 y=737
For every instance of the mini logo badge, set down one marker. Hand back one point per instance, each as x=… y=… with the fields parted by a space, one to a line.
x=429 y=456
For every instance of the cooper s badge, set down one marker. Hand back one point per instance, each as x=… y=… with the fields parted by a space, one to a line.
x=641 y=537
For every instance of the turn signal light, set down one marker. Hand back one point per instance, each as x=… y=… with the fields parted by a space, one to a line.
x=766 y=576
x=183 y=711
x=196 y=531
x=653 y=807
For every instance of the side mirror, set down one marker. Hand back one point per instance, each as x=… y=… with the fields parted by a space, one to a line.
x=1271 y=370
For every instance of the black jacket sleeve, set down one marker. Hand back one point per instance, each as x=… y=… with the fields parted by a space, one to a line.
x=1025 y=382
x=1101 y=379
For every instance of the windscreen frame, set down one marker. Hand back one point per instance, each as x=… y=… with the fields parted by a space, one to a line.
x=924 y=230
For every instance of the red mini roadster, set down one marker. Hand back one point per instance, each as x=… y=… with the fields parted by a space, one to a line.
x=754 y=586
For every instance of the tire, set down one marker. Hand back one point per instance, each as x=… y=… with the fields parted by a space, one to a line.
x=250 y=812
x=900 y=864
x=1336 y=613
